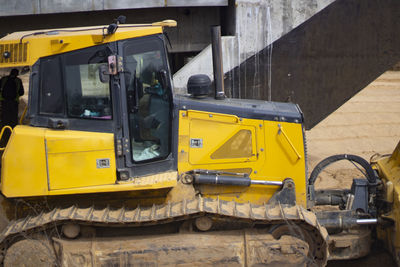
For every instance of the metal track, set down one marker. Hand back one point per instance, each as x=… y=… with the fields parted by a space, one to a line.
x=186 y=209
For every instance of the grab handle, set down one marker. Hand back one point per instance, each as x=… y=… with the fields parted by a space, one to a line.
x=2 y=132
x=287 y=139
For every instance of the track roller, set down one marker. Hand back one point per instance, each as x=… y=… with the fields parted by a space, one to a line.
x=30 y=253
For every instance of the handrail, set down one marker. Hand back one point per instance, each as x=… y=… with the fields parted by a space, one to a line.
x=2 y=132
x=23 y=115
x=290 y=142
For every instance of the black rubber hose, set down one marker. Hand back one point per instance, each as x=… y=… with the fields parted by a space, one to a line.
x=370 y=174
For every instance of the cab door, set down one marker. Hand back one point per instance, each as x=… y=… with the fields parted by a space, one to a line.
x=146 y=86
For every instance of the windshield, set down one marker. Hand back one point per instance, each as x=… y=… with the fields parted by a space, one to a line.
x=149 y=103
x=70 y=85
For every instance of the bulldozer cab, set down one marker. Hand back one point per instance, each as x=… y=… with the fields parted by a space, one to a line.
x=102 y=119
x=68 y=92
x=100 y=112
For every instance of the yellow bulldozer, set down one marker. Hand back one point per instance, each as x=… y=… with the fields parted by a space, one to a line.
x=111 y=168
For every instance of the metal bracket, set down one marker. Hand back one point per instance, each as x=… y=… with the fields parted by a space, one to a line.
x=286 y=195
x=359 y=189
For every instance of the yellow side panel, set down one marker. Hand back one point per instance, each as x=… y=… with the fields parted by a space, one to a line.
x=274 y=157
x=70 y=166
x=79 y=159
x=23 y=171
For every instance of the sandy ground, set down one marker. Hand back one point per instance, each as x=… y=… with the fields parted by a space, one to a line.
x=368 y=123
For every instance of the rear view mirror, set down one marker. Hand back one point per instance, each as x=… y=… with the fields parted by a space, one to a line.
x=104 y=75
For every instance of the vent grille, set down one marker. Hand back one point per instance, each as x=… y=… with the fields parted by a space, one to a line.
x=18 y=52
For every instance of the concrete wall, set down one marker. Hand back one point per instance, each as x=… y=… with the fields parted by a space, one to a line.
x=257 y=24
x=31 y=7
x=202 y=63
x=324 y=61
x=252 y=24
x=317 y=53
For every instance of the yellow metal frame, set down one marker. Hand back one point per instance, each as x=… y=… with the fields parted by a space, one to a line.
x=389 y=171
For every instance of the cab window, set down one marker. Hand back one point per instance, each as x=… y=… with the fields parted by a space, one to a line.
x=51 y=89
x=87 y=96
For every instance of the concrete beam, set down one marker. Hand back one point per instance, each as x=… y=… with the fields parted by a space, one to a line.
x=19 y=7
x=35 y=7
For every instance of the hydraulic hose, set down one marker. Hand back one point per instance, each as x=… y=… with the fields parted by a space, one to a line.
x=370 y=174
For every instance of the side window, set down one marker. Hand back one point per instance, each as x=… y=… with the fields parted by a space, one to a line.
x=51 y=88
x=87 y=96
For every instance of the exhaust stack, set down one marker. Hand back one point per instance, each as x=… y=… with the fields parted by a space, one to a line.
x=217 y=62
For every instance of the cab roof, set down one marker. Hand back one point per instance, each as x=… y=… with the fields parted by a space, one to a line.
x=25 y=48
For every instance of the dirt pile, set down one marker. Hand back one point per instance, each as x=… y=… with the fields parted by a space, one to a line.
x=368 y=123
